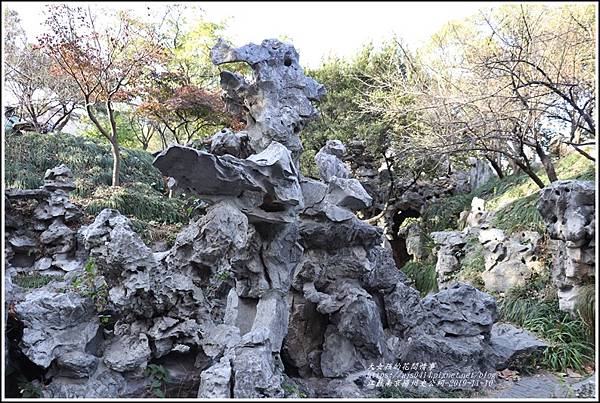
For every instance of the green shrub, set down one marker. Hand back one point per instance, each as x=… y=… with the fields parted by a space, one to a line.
x=158 y=378
x=422 y=274
x=28 y=156
x=138 y=200
x=85 y=285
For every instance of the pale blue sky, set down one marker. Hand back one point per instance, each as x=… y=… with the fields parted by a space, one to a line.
x=317 y=29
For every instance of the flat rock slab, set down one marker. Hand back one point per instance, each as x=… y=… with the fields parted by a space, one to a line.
x=542 y=385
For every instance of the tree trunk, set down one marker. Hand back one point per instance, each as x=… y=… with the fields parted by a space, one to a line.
x=531 y=174
x=116 y=153
x=114 y=143
x=496 y=166
x=546 y=162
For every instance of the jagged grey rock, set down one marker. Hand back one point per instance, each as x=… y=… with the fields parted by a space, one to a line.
x=449 y=246
x=510 y=343
x=461 y=310
x=59 y=177
x=103 y=383
x=329 y=161
x=58 y=238
x=215 y=382
x=76 y=364
x=226 y=141
x=127 y=352
x=480 y=172
x=278 y=78
x=268 y=180
x=55 y=324
x=256 y=373
x=568 y=210
x=347 y=193
x=510 y=261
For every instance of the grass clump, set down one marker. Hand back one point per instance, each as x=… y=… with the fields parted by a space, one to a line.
x=422 y=274
x=519 y=215
x=138 y=200
x=570 y=345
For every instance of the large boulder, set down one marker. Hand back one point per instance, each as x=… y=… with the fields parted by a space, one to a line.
x=56 y=324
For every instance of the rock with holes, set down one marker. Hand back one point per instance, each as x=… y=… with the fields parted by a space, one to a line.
x=568 y=210
x=58 y=238
x=277 y=103
x=55 y=324
x=461 y=310
x=123 y=259
x=453 y=336
x=510 y=261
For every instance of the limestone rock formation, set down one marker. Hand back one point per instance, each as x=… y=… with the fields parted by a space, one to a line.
x=510 y=261
x=329 y=161
x=480 y=172
x=55 y=324
x=449 y=246
x=568 y=210
x=42 y=240
x=278 y=283
x=278 y=78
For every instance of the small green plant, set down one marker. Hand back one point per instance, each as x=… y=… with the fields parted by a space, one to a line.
x=223 y=275
x=85 y=285
x=422 y=274
x=159 y=376
x=105 y=320
x=29 y=389
x=293 y=390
